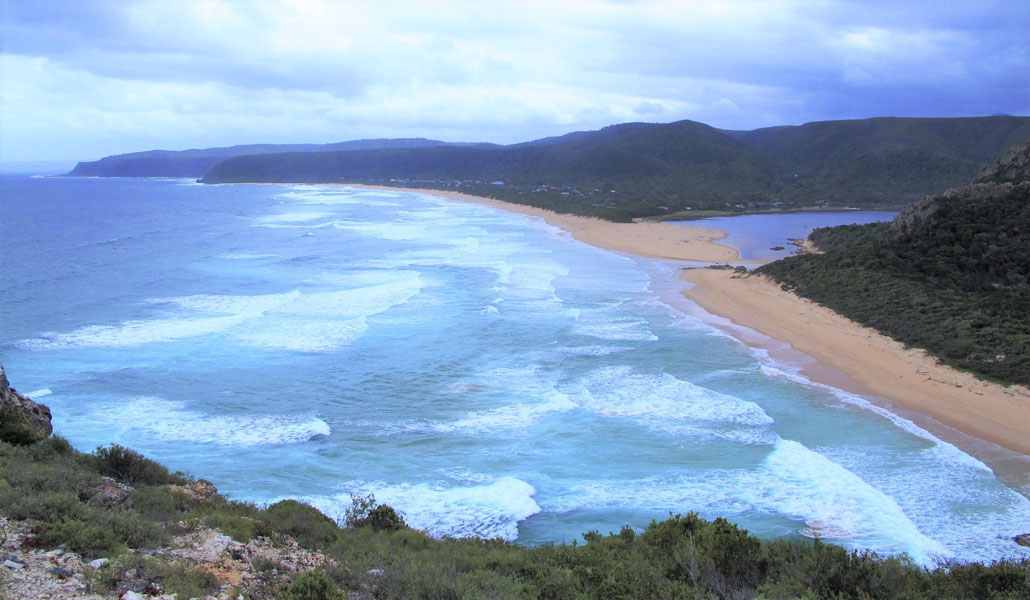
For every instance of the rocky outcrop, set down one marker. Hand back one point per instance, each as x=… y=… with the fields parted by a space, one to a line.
x=1014 y=167
x=21 y=420
x=994 y=180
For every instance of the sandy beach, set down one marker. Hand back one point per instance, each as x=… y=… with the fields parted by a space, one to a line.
x=875 y=364
x=871 y=364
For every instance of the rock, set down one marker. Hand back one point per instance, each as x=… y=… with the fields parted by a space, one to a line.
x=1022 y=540
x=22 y=421
x=96 y=564
x=10 y=564
x=200 y=490
x=60 y=573
x=131 y=595
x=110 y=493
x=1014 y=167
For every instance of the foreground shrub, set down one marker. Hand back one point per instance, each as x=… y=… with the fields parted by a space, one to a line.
x=366 y=512
x=132 y=468
x=312 y=585
x=302 y=522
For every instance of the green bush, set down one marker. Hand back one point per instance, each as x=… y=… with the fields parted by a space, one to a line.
x=312 y=585
x=13 y=433
x=366 y=512
x=132 y=468
x=302 y=522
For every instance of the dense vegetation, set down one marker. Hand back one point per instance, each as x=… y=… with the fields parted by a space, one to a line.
x=677 y=169
x=194 y=163
x=951 y=274
x=55 y=488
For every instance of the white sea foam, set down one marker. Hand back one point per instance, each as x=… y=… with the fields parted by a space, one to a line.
x=312 y=322
x=618 y=391
x=130 y=334
x=512 y=416
x=245 y=255
x=385 y=230
x=837 y=503
x=294 y=217
x=489 y=510
x=39 y=393
x=948 y=450
x=172 y=421
x=591 y=350
x=612 y=322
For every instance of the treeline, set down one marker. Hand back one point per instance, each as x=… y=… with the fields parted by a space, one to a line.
x=55 y=488
x=677 y=169
x=951 y=274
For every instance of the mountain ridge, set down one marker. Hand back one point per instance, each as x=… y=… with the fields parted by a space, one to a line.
x=654 y=170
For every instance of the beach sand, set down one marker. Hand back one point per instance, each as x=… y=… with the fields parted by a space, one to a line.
x=860 y=359
x=875 y=364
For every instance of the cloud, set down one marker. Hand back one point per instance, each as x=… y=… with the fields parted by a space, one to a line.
x=84 y=79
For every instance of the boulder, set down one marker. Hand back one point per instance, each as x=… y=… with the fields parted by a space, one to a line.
x=22 y=421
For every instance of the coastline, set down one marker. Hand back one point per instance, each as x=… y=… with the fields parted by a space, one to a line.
x=873 y=363
x=650 y=239
x=862 y=360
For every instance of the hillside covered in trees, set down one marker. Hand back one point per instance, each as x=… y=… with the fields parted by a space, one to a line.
x=677 y=169
x=950 y=274
x=194 y=163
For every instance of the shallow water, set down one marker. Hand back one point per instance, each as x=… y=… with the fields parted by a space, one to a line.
x=480 y=371
x=755 y=236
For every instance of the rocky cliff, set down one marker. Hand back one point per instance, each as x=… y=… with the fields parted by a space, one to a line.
x=21 y=419
x=995 y=180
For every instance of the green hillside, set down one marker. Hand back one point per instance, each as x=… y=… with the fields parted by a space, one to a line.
x=886 y=161
x=951 y=274
x=194 y=163
x=617 y=172
x=677 y=169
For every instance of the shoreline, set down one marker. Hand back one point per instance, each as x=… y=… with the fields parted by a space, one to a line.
x=829 y=348
x=872 y=363
x=650 y=239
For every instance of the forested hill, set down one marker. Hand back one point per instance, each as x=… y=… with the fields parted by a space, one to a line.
x=638 y=169
x=194 y=163
x=951 y=274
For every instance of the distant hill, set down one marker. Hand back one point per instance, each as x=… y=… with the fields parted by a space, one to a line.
x=887 y=161
x=678 y=169
x=617 y=172
x=950 y=274
x=194 y=163
x=621 y=172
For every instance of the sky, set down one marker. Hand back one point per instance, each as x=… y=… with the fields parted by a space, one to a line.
x=82 y=79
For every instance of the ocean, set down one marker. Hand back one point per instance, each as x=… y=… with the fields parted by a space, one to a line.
x=480 y=371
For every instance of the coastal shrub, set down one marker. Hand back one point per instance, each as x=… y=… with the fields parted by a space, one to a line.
x=311 y=585
x=132 y=468
x=184 y=582
x=159 y=503
x=13 y=433
x=171 y=577
x=87 y=539
x=366 y=512
x=241 y=529
x=54 y=445
x=302 y=522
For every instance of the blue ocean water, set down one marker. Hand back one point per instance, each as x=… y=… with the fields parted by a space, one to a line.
x=480 y=371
